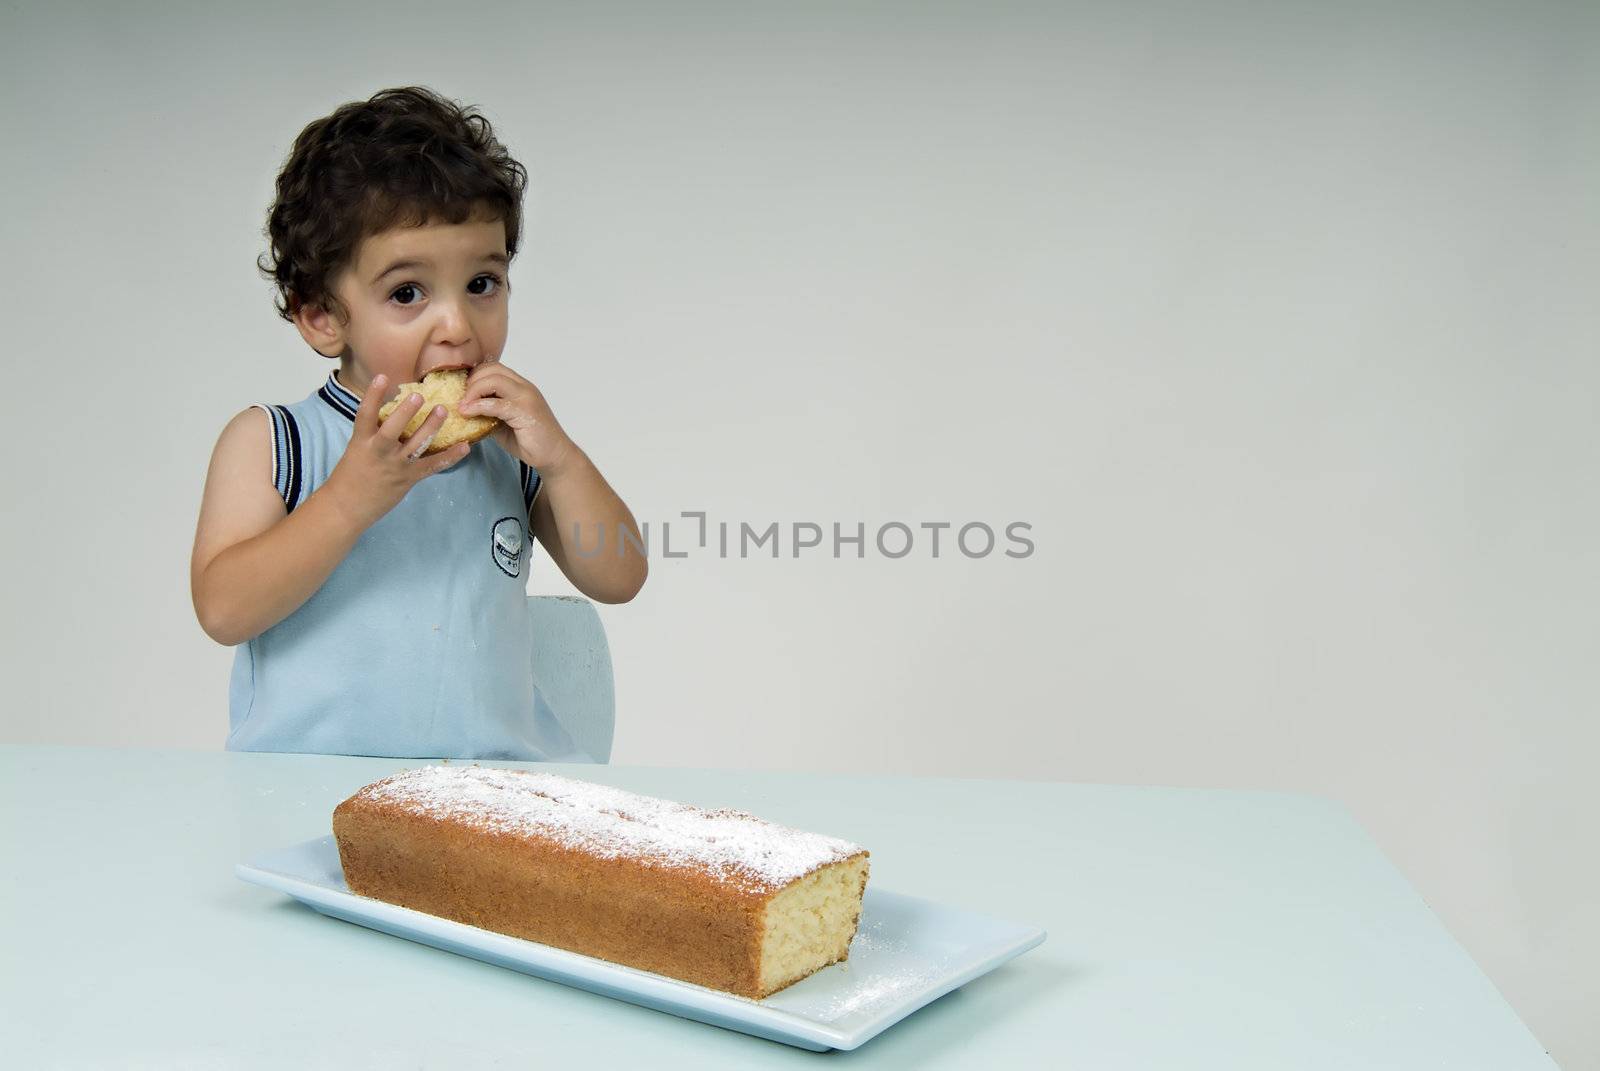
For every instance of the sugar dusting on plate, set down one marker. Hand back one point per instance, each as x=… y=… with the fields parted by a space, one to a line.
x=733 y=846
x=891 y=977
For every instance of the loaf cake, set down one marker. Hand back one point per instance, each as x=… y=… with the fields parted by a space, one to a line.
x=442 y=386
x=719 y=897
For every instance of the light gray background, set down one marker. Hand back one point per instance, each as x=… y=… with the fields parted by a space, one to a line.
x=1276 y=322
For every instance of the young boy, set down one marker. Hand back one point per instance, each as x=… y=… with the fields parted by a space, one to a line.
x=377 y=596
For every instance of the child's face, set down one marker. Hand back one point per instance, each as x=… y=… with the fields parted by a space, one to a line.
x=447 y=306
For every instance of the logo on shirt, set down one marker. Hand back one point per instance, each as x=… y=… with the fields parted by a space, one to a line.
x=506 y=545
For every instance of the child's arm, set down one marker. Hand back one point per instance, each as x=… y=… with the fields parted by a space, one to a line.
x=574 y=493
x=574 y=501
x=254 y=564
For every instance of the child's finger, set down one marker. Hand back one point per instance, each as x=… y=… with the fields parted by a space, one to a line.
x=495 y=379
x=481 y=387
x=401 y=416
x=486 y=370
x=442 y=460
x=418 y=441
x=489 y=405
x=367 y=412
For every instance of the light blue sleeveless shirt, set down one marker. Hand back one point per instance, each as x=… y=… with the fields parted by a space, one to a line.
x=418 y=645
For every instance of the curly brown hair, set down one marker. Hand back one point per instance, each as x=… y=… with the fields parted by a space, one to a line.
x=403 y=157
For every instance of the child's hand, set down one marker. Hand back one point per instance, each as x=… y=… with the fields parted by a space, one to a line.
x=528 y=429
x=380 y=465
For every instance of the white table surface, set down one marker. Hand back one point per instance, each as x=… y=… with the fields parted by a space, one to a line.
x=1187 y=929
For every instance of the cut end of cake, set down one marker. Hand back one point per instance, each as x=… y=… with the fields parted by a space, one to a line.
x=810 y=924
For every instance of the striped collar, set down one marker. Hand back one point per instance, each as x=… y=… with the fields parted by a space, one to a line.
x=340 y=399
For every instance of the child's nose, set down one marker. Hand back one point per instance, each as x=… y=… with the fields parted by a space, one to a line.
x=452 y=325
x=450 y=343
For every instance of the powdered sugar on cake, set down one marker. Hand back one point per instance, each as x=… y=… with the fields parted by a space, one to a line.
x=735 y=846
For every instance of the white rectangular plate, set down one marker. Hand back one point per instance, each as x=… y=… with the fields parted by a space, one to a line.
x=908 y=952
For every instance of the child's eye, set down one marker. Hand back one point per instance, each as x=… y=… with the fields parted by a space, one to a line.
x=412 y=288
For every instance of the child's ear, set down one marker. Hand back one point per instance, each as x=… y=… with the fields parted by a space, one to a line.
x=321 y=329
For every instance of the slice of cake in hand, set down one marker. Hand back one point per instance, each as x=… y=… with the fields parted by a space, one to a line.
x=442 y=386
x=720 y=897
